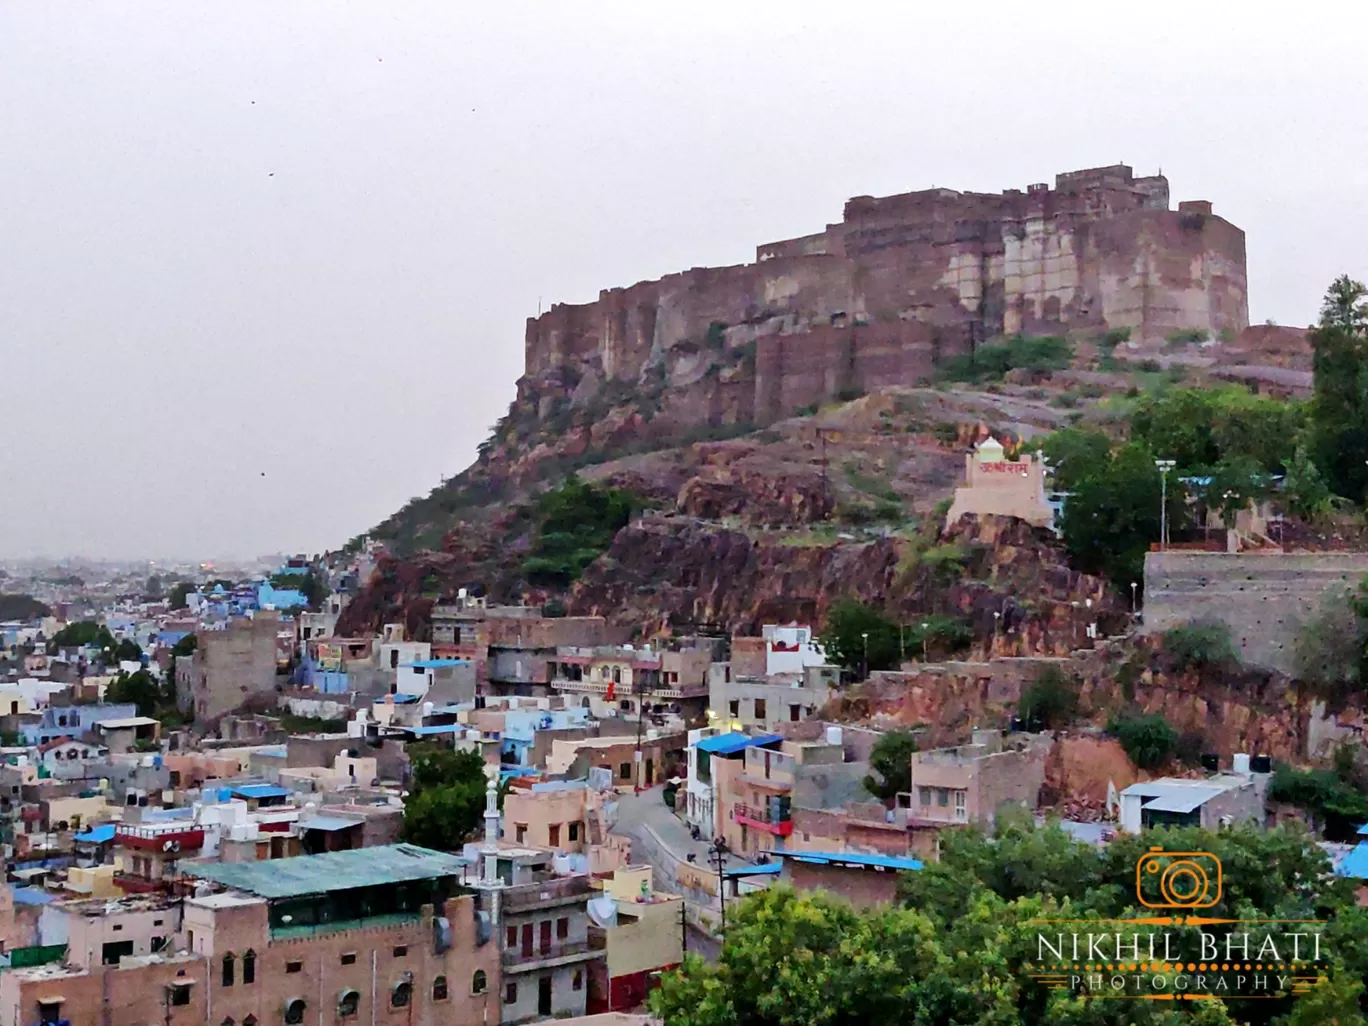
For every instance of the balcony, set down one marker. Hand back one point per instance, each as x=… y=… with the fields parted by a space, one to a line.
x=566 y=890
x=592 y=687
x=780 y=825
x=171 y=840
x=515 y=960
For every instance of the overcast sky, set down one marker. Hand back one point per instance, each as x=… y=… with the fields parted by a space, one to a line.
x=264 y=266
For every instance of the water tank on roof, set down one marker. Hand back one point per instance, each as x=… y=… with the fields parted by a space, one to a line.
x=1211 y=762
x=834 y=735
x=1241 y=763
x=1261 y=764
x=427 y=709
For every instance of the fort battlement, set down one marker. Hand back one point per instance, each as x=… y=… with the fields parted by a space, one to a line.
x=902 y=283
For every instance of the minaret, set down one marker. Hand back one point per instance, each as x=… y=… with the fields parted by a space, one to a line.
x=491 y=832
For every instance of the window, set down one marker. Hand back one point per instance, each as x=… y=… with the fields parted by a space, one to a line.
x=961 y=806
x=734 y=708
x=520 y=829
x=227 y=1022
x=251 y=1020
x=400 y=951
x=760 y=709
x=439 y=989
x=511 y=994
x=942 y=796
x=349 y=958
x=574 y=831
x=228 y=963
x=795 y=713
x=553 y=835
x=479 y=983
x=118 y=927
x=294 y=1012
x=347 y=1004
x=248 y=972
x=617 y=674
x=562 y=928
x=401 y=994
x=156 y=944
x=511 y=937
x=625 y=771
x=577 y=981
x=49 y=1011
x=294 y=967
x=394 y=659
x=158 y=922
x=180 y=994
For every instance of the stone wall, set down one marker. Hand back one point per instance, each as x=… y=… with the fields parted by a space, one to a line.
x=898 y=286
x=1263 y=598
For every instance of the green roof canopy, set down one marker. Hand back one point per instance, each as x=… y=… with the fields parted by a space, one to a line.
x=332 y=871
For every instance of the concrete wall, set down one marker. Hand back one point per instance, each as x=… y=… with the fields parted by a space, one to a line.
x=1263 y=598
x=230 y=665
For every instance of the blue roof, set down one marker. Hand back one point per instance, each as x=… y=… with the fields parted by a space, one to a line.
x=260 y=791
x=431 y=664
x=402 y=698
x=1355 y=864
x=730 y=744
x=767 y=869
x=102 y=834
x=440 y=728
x=32 y=896
x=855 y=859
x=1363 y=830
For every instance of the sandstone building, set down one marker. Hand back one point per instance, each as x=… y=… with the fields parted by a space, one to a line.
x=900 y=284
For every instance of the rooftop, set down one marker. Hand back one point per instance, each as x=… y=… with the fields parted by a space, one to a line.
x=333 y=871
x=129 y=721
x=850 y=859
x=730 y=744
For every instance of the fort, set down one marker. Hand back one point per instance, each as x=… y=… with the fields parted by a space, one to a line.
x=899 y=285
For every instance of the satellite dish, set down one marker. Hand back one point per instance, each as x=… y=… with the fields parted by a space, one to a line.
x=602 y=911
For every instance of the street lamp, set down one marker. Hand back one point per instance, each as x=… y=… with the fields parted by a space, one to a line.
x=865 y=636
x=924 y=626
x=1133 y=583
x=1164 y=467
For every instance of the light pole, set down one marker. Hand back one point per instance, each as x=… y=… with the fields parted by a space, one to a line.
x=1133 y=583
x=865 y=674
x=925 y=658
x=1164 y=467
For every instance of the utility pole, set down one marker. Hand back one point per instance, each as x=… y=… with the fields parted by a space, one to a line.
x=683 y=926
x=639 y=688
x=717 y=855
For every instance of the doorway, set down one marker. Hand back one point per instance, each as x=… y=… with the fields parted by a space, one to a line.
x=544 y=996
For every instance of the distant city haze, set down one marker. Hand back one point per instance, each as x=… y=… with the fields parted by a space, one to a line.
x=266 y=267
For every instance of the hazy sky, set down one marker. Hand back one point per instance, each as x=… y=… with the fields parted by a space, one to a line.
x=300 y=239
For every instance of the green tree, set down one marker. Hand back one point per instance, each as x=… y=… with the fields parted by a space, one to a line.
x=22 y=607
x=139 y=688
x=575 y=525
x=1232 y=485
x=1339 y=411
x=185 y=646
x=891 y=761
x=1305 y=493
x=844 y=639
x=1051 y=700
x=128 y=651
x=178 y=597
x=1200 y=645
x=446 y=798
x=1199 y=428
x=82 y=633
x=1112 y=516
x=1073 y=454
x=1148 y=739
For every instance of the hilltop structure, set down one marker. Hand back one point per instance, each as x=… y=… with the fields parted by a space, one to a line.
x=899 y=285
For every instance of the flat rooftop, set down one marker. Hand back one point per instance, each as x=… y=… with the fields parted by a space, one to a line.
x=332 y=871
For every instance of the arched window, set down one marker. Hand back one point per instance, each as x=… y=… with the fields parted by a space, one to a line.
x=347 y=1003
x=439 y=989
x=294 y=1012
x=401 y=994
x=227 y=1022
x=251 y=1020
x=248 y=971
x=228 y=969
x=479 y=983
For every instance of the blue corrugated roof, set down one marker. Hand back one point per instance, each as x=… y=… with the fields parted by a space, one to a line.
x=850 y=858
x=768 y=869
x=403 y=698
x=32 y=896
x=730 y=744
x=440 y=728
x=430 y=664
x=260 y=791
x=1355 y=864
x=102 y=834
x=1363 y=830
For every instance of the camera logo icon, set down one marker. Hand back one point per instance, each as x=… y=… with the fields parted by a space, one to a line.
x=1178 y=879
